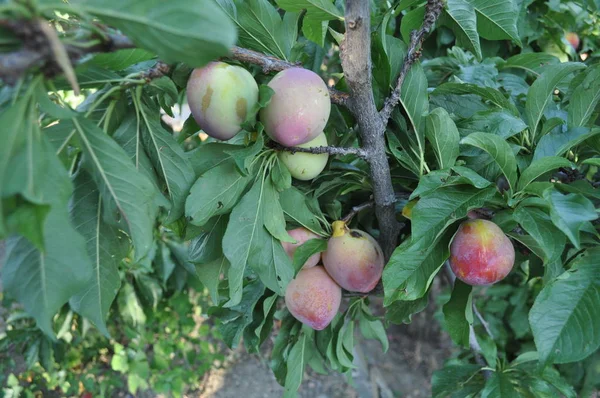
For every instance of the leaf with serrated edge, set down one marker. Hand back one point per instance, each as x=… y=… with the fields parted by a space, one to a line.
x=123 y=188
x=106 y=246
x=563 y=306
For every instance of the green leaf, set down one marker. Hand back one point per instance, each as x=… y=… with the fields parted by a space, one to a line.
x=434 y=213
x=541 y=91
x=274 y=219
x=534 y=63
x=563 y=306
x=125 y=191
x=412 y=20
x=460 y=16
x=170 y=30
x=207 y=246
x=295 y=207
x=306 y=250
x=457 y=380
x=128 y=136
x=318 y=10
x=538 y=224
x=443 y=136
x=210 y=276
x=130 y=306
x=106 y=246
x=262 y=323
x=121 y=59
x=557 y=143
x=487 y=93
x=500 y=152
x=315 y=30
x=539 y=167
x=210 y=155
x=280 y=175
x=412 y=267
x=500 y=385
x=295 y=366
x=497 y=19
x=169 y=161
x=243 y=236
x=458 y=313
x=37 y=278
x=373 y=329
x=235 y=319
x=570 y=213
x=584 y=99
x=436 y=179
x=259 y=25
x=400 y=312
x=216 y=192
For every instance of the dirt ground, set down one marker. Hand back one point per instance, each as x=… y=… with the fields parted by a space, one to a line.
x=416 y=350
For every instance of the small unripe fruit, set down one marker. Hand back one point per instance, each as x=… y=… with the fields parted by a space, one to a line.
x=299 y=109
x=480 y=253
x=306 y=166
x=301 y=235
x=313 y=297
x=219 y=96
x=554 y=49
x=353 y=259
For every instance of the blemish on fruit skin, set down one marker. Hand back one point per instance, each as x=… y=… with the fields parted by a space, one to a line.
x=206 y=98
x=240 y=108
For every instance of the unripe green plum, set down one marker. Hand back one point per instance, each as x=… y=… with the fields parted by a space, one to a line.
x=313 y=297
x=554 y=49
x=353 y=259
x=219 y=96
x=306 y=166
x=480 y=253
x=301 y=235
x=299 y=108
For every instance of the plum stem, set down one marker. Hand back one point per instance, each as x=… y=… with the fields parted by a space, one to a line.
x=331 y=150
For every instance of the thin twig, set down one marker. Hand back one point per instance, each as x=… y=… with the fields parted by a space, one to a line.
x=486 y=326
x=417 y=37
x=477 y=352
x=358 y=208
x=271 y=64
x=331 y=150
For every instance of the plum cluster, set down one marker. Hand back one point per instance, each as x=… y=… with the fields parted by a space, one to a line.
x=353 y=261
x=220 y=96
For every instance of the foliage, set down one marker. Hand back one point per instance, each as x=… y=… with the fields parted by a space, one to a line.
x=111 y=218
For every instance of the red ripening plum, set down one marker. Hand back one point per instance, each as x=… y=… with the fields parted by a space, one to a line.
x=299 y=108
x=480 y=253
x=573 y=39
x=353 y=258
x=219 y=96
x=313 y=297
x=301 y=235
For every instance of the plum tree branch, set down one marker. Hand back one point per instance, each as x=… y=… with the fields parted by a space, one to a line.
x=417 y=37
x=331 y=150
x=271 y=64
x=356 y=63
x=37 y=52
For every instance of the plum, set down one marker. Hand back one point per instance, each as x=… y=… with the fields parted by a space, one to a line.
x=480 y=253
x=573 y=39
x=353 y=258
x=313 y=297
x=299 y=108
x=219 y=96
x=306 y=166
x=301 y=235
